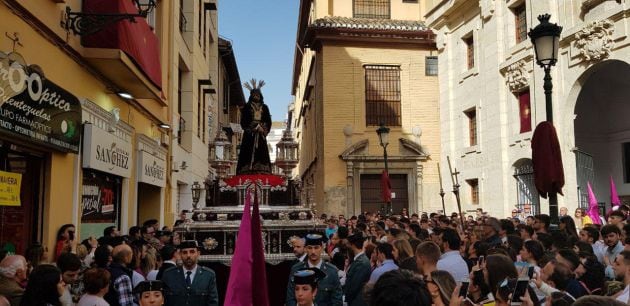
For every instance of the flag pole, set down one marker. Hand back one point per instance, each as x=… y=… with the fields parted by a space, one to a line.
x=441 y=189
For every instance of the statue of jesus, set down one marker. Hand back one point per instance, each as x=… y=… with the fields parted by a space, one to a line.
x=256 y=121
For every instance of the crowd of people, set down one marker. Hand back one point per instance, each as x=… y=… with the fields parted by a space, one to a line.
x=433 y=259
x=148 y=267
x=370 y=259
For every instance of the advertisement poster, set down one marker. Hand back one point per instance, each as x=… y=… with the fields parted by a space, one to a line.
x=10 y=188
x=100 y=198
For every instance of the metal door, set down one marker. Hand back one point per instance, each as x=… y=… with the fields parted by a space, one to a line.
x=371 y=199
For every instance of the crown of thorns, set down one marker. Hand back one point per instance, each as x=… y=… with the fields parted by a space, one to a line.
x=253 y=84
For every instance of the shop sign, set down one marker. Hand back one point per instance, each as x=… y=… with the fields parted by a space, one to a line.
x=151 y=169
x=100 y=198
x=32 y=106
x=105 y=152
x=10 y=188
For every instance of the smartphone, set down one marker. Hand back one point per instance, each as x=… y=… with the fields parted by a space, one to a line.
x=530 y=272
x=481 y=260
x=519 y=291
x=463 y=290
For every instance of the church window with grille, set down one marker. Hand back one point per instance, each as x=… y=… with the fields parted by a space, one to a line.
x=382 y=95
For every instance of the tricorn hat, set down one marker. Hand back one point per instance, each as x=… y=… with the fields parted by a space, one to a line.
x=308 y=276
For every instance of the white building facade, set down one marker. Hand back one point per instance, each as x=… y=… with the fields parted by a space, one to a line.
x=492 y=98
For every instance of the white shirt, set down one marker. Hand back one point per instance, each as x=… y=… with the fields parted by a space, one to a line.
x=303 y=257
x=318 y=265
x=625 y=295
x=452 y=262
x=152 y=275
x=136 y=279
x=192 y=275
x=92 y=300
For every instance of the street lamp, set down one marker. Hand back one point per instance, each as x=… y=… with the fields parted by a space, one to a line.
x=287 y=153
x=383 y=138
x=545 y=38
x=196 y=194
x=221 y=154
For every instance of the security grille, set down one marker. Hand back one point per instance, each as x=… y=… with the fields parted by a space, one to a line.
x=527 y=199
x=376 y=9
x=585 y=173
x=382 y=95
x=431 y=65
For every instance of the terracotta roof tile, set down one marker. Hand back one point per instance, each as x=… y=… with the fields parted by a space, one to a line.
x=368 y=24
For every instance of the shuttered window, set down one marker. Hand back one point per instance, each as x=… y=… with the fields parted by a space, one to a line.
x=376 y=9
x=382 y=95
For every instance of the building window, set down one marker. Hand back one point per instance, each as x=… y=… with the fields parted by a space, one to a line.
x=626 y=162
x=472 y=126
x=382 y=95
x=525 y=111
x=520 y=22
x=226 y=96
x=474 y=191
x=183 y=23
x=377 y=9
x=180 y=129
x=431 y=65
x=470 y=51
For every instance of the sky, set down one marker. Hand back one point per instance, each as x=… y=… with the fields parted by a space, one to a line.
x=263 y=38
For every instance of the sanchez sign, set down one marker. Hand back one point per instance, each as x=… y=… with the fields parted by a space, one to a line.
x=105 y=152
x=32 y=106
x=151 y=169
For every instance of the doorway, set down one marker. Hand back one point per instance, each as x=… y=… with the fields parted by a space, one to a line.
x=20 y=226
x=371 y=199
x=602 y=130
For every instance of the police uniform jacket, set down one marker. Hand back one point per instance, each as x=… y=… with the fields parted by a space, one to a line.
x=202 y=291
x=328 y=289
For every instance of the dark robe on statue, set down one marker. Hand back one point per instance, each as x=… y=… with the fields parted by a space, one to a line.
x=254 y=153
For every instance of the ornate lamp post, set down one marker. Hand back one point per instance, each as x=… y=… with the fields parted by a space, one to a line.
x=221 y=154
x=383 y=138
x=196 y=194
x=287 y=153
x=545 y=38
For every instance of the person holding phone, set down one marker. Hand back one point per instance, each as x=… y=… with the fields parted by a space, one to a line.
x=65 y=239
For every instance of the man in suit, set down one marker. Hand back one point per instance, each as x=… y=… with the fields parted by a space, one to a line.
x=298 y=249
x=170 y=255
x=329 y=288
x=191 y=284
x=358 y=272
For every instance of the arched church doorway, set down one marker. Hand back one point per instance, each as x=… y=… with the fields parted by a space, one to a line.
x=602 y=131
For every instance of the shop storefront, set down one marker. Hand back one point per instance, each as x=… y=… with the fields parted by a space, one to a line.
x=38 y=119
x=151 y=177
x=107 y=166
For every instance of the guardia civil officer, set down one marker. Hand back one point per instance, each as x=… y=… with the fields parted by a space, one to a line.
x=328 y=288
x=190 y=284
x=306 y=281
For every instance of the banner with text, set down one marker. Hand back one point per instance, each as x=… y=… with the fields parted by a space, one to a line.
x=105 y=152
x=151 y=169
x=10 y=184
x=100 y=199
x=32 y=106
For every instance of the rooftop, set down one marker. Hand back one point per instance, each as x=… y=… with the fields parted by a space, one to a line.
x=368 y=24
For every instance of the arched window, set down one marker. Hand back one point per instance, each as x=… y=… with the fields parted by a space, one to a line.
x=527 y=199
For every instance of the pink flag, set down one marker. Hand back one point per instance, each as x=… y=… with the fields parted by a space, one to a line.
x=614 y=198
x=245 y=285
x=593 y=209
x=259 y=273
